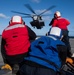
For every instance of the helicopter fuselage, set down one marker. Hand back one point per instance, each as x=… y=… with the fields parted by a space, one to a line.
x=37 y=23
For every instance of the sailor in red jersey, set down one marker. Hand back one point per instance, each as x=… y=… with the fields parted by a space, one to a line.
x=62 y=23
x=15 y=42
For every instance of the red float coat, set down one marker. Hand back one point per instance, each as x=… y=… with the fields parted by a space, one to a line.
x=16 y=39
x=61 y=23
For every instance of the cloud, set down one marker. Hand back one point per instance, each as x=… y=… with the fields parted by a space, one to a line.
x=36 y=1
x=46 y=18
x=3 y=16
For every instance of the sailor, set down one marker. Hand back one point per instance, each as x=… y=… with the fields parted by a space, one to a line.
x=46 y=56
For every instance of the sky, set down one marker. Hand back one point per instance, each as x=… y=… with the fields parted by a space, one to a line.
x=66 y=7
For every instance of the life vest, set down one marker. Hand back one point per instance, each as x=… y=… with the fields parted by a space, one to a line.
x=17 y=39
x=61 y=23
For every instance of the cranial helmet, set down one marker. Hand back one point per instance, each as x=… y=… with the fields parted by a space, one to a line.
x=16 y=19
x=56 y=31
x=57 y=13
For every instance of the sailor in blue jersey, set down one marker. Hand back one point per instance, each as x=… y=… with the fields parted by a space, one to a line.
x=46 y=56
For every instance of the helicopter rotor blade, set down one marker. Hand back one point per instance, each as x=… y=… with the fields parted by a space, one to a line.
x=30 y=8
x=26 y=16
x=47 y=9
x=20 y=13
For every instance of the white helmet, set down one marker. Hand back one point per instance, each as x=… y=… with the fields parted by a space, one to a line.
x=16 y=19
x=56 y=31
x=57 y=13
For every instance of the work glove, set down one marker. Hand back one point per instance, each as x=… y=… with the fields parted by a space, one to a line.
x=70 y=60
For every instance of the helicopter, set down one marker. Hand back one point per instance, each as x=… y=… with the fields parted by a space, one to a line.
x=37 y=18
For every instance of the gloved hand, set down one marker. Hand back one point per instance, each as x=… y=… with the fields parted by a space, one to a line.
x=70 y=60
x=6 y=66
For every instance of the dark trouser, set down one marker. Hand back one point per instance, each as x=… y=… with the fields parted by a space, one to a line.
x=13 y=61
x=29 y=70
x=66 y=41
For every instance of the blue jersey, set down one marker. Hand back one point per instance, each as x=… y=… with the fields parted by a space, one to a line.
x=44 y=52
